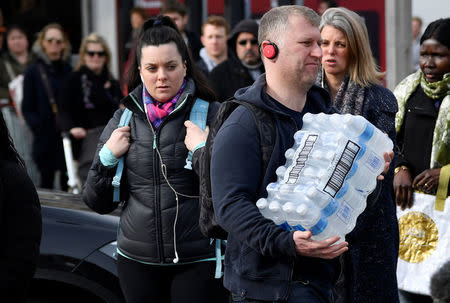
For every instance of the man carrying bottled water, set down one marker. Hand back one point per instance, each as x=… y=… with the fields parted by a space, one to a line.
x=263 y=261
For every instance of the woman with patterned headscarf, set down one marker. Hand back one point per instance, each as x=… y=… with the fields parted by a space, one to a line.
x=422 y=124
x=423 y=119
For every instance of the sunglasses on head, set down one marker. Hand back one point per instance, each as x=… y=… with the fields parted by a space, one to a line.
x=245 y=41
x=92 y=54
x=50 y=40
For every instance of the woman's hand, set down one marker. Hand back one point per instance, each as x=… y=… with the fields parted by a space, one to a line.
x=78 y=132
x=194 y=135
x=119 y=142
x=387 y=162
x=402 y=188
x=427 y=181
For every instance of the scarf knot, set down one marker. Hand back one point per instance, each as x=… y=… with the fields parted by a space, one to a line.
x=157 y=111
x=436 y=90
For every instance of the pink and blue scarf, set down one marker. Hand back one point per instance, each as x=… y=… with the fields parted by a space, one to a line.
x=157 y=111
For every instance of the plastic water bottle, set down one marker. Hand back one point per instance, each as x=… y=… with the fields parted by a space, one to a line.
x=367 y=134
x=311 y=218
x=316 y=122
x=292 y=218
x=323 y=201
x=272 y=210
x=273 y=191
x=354 y=198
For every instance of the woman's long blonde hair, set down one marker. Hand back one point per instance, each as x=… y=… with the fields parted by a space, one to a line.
x=93 y=38
x=362 y=68
x=41 y=35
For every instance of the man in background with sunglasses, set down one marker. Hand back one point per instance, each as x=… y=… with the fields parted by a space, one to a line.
x=243 y=65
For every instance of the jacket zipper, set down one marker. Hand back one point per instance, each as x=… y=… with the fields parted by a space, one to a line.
x=290 y=280
x=156 y=164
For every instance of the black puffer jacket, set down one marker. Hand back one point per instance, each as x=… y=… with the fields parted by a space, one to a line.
x=147 y=220
x=89 y=100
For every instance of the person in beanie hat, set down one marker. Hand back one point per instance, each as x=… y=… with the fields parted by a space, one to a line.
x=243 y=65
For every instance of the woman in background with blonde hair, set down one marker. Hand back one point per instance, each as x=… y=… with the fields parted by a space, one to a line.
x=353 y=80
x=90 y=97
x=43 y=84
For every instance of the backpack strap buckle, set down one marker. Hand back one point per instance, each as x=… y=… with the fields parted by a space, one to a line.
x=116 y=181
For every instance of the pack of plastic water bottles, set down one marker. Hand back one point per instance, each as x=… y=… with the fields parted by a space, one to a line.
x=329 y=172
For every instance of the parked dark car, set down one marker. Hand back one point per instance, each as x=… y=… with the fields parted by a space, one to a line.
x=78 y=252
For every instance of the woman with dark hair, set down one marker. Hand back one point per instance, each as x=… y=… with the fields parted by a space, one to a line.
x=13 y=62
x=20 y=223
x=14 y=59
x=423 y=125
x=42 y=87
x=353 y=80
x=90 y=97
x=162 y=255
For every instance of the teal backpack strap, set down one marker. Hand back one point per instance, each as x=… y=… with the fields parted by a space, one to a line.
x=198 y=116
x=124 y=121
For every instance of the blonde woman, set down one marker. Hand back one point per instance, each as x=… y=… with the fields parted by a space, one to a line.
x=352 y=78
x=43 y=84
x=91 y=96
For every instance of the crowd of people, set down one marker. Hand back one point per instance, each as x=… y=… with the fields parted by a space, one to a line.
x=293 y=62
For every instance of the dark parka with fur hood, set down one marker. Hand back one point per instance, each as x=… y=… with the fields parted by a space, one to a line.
x=230 y=75
x=148 y=217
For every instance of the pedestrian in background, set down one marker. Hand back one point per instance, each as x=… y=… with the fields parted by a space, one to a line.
x=214 y=39
x=13 y=62
x=42 y=88
x=20 y=223
x=137 y=18
x=243 y=65
x=324 y=5
x=440 y=284
x=179 y=15
x=422 y=124
x=416 y=25
x=90 y=97
x=162 y=255
x=14 y=59
x=350 y=75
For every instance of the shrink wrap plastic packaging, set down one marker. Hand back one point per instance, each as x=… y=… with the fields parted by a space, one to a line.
x=329 y=172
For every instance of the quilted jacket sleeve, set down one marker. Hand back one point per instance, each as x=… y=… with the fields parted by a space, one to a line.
x=98 y=190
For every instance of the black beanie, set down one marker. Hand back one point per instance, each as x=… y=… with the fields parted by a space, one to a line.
x=247 y=26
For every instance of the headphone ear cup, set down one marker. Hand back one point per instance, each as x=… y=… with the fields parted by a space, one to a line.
x=270 y=51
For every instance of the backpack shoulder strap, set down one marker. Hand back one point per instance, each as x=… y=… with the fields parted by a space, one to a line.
x=199 y=113
x=124 y=121
x=198 y=116
x=266 y=129
x=125 y=118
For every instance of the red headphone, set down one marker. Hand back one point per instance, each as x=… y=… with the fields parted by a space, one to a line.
x=270 y=50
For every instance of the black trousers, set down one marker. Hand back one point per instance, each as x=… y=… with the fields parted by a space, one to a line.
x=170 y=284
x=48 y=178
